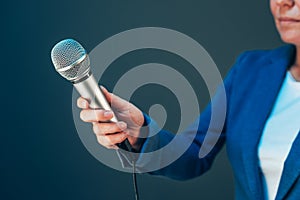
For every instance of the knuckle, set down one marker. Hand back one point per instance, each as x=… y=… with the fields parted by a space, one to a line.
x=98 y=115
x=124 y=136
x=100 y=140
x=82 y=115
x=103 y=141
x=119 y=138
x=121 y=125
x=109 y=140
x=111 y=147
x=96 y=128
x=78 y=102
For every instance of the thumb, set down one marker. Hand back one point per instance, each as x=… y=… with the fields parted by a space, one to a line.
x=115 y=101
x=107 y=94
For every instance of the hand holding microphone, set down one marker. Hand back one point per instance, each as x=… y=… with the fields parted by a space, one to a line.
x=109 y=133
x=72 y=62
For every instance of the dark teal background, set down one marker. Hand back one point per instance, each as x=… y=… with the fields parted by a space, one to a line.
x=42 y=156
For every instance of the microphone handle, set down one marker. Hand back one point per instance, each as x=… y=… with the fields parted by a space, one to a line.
x=90 y=90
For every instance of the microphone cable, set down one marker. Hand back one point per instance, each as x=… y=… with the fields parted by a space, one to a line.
x=135 y=186
x=127 y=147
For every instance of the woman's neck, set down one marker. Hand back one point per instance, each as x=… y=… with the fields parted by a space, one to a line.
x=295 y=68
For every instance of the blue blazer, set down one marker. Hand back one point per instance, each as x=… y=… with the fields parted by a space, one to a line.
x=252 y=86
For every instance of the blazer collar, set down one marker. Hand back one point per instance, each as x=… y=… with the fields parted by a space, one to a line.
x=291 y=170
x=269 y=80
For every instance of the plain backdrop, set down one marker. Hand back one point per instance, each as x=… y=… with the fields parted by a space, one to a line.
x=42 y=156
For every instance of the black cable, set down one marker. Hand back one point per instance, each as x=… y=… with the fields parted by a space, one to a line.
x=135 y=186
x=125 y=145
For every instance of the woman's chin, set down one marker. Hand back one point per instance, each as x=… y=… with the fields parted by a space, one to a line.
x=291 y=39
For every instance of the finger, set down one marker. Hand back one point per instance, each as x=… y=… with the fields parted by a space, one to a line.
x=90 y=115
x=82 y=103
x=111 y=140
x=115 y=101
x=106 y=93
x=108 y=128
x=113 y=147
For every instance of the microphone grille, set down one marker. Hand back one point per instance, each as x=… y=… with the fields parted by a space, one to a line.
x=70 y=59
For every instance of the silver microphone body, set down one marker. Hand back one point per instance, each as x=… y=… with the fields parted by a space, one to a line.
x=90 y=90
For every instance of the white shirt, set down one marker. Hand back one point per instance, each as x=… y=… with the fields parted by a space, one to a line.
x=279 y=134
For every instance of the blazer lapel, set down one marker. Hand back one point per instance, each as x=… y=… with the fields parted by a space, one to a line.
x=269 y=81
x=291 y=169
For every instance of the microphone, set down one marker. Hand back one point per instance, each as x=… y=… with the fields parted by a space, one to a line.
x=72 y=62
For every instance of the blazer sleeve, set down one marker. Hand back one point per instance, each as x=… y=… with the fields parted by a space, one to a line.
x=189 y=164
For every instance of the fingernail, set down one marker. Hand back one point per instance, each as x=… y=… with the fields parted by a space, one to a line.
x=107 y=113
x=103 y=88
x=122 y=125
